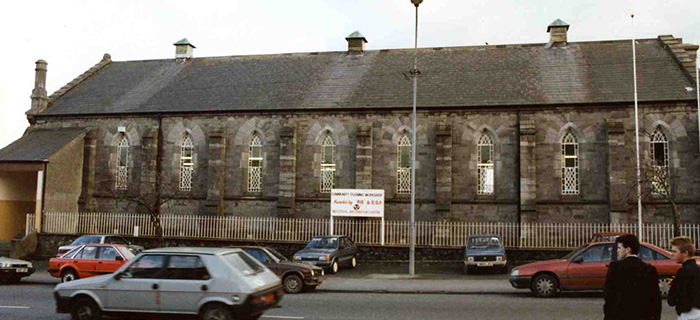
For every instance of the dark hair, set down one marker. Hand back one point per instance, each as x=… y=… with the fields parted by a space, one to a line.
x=684 y=244
x=629 y=241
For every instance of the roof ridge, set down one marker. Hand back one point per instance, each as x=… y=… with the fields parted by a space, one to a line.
x=106 y=59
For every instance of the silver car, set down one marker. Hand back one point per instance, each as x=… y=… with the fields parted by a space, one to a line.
x=214 y=283
x=13 y=270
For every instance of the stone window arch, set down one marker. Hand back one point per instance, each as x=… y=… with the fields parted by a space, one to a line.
x=122 y=180
x=485 y=165
x=328 y=165
x=186 y=163
x=403 y=167
x=659 y=162
x=255 y=164
x=569 y=164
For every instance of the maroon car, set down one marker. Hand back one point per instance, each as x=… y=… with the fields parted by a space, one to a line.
x=295 y=276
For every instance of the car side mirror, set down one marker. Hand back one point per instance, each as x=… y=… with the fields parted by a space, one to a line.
x=119 y=258
x=578 y=259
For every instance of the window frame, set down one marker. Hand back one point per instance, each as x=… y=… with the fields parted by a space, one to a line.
x=255 y=165
x=122 y=173
x=659 y=137
x=328 y=169
x=482 y=168
x=403 y=173
x=573 y=172
x=186 y=164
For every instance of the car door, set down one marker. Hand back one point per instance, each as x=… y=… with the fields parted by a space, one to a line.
x=107 y=260
x=588 y=269
x=263 y=257
x=86 y=261
x=185 y=284
x=138 y=287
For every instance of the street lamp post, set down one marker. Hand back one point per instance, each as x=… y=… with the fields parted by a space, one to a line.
x=412 y=225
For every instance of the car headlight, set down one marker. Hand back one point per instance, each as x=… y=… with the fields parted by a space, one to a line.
x=470 y=259
x=297 y=257
x=324 y=258
x=323 y=273
x=30 y=265
x=4 y=265
x=499 y=258
x=514 y=273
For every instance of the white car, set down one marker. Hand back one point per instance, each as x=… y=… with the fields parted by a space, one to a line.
x=13 y=270
x=213 y=283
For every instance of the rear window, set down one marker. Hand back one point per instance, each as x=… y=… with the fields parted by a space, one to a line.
x=243 y=263
x=86 y=239
x=484 y=243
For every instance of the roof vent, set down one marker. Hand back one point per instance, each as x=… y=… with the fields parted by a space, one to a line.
x=183 y=49
x=356 y=42
x=557 y=33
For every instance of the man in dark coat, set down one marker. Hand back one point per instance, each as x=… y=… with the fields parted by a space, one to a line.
x=685 y=289
x=631 y=286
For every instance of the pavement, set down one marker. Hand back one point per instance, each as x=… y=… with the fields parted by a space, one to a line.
x=385 y=277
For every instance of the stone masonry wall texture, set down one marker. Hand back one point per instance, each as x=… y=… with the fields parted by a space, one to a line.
x=446 y=153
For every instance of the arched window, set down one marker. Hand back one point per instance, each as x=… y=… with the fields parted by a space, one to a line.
x=255 y=161
x=403 y=168
x=659 y=162
x=569 y=164
x=327 y=164
x=485 y=164
x=122 y=163
x=186 y=163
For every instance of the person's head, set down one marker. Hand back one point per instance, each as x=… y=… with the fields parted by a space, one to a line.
x=627 y=244
x=682 y=248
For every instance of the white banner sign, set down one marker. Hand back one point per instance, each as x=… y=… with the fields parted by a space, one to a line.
x=357 y=203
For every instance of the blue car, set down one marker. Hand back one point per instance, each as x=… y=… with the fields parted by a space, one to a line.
x=485 y=251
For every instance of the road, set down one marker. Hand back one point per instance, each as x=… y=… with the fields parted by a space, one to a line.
x=32 y=300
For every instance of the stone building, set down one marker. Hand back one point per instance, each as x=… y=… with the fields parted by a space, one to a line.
x=538 y=132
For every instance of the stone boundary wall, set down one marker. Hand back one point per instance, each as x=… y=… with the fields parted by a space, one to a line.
x=48 y=247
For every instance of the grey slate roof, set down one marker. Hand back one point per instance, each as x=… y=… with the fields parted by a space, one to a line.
x=484 y=76
x=39 y=145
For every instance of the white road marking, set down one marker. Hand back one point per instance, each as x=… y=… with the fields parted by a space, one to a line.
x=281 y=317
x=13 y=307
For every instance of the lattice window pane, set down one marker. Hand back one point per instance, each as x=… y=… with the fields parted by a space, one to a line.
x=186 y=164
x=660 y=183
x=122 y=164
x=485 y=185
x=404 y=165
x=327 y=179
x=255 y=162
x=569 y=165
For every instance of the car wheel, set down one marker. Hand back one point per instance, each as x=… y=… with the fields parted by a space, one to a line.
x=334 y=267
x=85 y=309
x=665 y=286
x=293 y=284
x=353 y=262
x=545 y=286
x=216 y=312
x=69 y=275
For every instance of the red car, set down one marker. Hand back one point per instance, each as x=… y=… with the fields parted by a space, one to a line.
x=585 y=269
x=89 y=260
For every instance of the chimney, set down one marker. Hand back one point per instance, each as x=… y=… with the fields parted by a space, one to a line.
x=39 y=98
x=356 y=42
x=183 y=49
x=557 y=33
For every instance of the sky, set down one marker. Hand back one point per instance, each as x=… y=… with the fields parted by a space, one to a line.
x=72 y=35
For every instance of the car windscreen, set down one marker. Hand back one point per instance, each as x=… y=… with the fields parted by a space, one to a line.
x=86 y=239
x=323 y=243
x=572 y=253
x=127 y=253
x=277 y=255
x=243 y=263
x=484 y=243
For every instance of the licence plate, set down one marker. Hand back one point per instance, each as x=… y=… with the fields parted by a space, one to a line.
x=22 y=270
x=484 y=264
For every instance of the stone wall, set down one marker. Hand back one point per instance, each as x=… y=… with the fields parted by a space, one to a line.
x=366 y=157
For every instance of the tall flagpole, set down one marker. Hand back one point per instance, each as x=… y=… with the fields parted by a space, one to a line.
x=636 y=136
x=412 y=227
